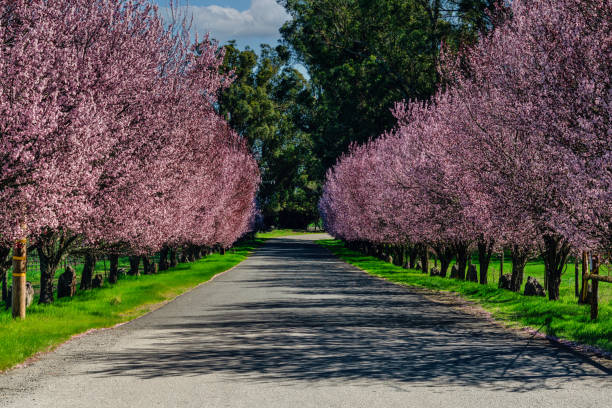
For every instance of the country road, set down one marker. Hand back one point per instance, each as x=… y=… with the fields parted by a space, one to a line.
x=293 y=326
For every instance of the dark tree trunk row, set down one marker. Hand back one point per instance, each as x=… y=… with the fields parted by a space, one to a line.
x=192 y=253
x=555 y=255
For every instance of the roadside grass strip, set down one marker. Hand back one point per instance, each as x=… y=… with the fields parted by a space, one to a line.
x=564 y=319
x=47 y=326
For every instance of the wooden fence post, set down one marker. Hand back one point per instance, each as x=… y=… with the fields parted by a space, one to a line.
x=576 y=270
x=595 y=286
x=585 y=283
x=19 y=279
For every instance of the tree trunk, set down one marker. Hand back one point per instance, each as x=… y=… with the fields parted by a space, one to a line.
x=445 y=254
x=48 y=266
x=461 y=249
x=519 y=260
x=146 y=265
x=88 y=271
x=4 y=286
x=413 y=255
x=113 y=273
x=405 y=251
x=398 y=255
x=163 y=259
x=425 y=259
x=556 y=251
x=134 y=264
x=190 y=254
x=485 y=250
x=173 y=258
x=5 y=265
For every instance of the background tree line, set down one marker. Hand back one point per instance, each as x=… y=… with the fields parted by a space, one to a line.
x=361 y=57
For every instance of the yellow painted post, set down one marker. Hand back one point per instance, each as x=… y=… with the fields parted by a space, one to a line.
x=19 y=278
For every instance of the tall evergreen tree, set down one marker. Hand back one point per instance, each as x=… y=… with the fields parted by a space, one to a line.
x=269 y=104
x=365 y=55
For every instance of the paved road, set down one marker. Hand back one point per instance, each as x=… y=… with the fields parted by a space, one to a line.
x=294 y=327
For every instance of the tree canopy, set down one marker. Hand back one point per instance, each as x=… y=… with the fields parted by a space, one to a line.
x=365 y=55
x=269 y=104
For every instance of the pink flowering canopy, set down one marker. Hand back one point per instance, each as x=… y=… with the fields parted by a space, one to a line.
x=516 y=148
x=107 y=129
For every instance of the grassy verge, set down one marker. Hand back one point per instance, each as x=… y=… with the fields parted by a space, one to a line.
x=48 y=326
x=566 y=319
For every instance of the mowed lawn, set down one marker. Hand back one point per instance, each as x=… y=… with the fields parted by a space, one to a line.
x=564 y=318
x=47 y=326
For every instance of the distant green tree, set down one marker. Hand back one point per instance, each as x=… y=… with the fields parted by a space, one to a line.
x=269 y=103
x=365 y=55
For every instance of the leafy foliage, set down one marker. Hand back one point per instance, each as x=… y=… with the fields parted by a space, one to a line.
x=516 y=150
x=269 y=104
x=365 y=55
x=108 y=133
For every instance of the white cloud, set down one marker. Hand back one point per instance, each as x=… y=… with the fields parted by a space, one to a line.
x=261 y=20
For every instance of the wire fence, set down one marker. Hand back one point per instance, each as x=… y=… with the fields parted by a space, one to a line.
x=33 y=263
x=75 y=261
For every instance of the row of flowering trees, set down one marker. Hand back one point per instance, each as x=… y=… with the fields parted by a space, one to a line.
x=109 y=140
x=514 y=152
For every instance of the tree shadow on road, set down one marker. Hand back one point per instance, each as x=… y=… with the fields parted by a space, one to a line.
x=340 y=324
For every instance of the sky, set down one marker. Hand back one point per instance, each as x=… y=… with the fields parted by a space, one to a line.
x=249 y=22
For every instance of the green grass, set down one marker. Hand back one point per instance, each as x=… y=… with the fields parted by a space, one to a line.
x=563 y=318
x=281 y=233
x=45 y=327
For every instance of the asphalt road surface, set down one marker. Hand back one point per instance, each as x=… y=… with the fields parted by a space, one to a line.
x=295 y=327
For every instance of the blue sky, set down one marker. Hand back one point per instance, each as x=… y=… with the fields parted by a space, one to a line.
x=249 y=22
